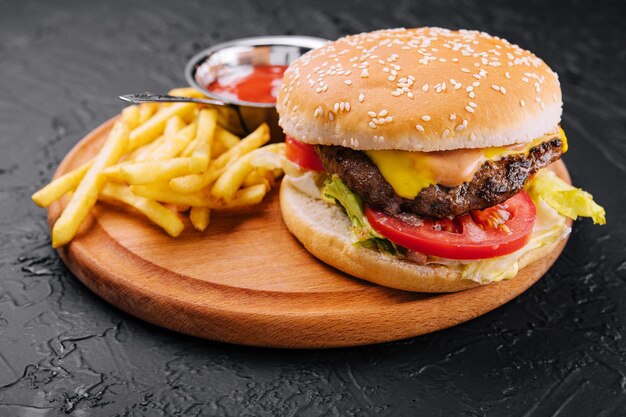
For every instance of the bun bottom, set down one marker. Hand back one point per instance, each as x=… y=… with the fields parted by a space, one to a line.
x=324 y=230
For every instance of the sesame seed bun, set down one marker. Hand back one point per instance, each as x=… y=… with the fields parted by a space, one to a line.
x=423 y=89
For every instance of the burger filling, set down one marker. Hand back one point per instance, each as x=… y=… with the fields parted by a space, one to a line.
x=498 y=205
x=493 y=182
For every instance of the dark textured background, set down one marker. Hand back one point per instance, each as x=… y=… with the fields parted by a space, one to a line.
x=557 y=350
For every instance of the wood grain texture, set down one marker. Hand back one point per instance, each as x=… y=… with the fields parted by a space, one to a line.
x=247 y=280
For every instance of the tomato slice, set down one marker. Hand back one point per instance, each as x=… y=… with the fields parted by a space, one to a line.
x=302 y=154
x=482 y=234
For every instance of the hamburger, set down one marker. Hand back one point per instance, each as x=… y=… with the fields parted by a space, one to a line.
x=423 y=159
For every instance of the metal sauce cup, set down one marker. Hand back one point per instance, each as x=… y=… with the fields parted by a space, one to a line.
x=239 y=116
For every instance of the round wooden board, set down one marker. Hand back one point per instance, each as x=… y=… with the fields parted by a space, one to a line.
x=247 y=280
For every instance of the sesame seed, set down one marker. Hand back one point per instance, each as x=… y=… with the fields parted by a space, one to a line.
x=331 y=116
x=371 y=113
x=469 y=109
x=336 y=107
x=389 y=119
x=477 y=76
x=347 y=106
x=464 y=70
x=445 y=133
x=495 y=87
x=453 y=116
x=348 y=82
x=372 y=125
x=361 y=98
x=392 y=78
x=342 y=106
x=507 y=75
x=382 y=113
x=503 y=90
x=375 y=120
x=476 y=83
x=471 y=103
x=472 y=95
x=543 y=106
x=409 y=95
x=472 y=137
x=426 y=118
x=364 y=73
x=425 y=87
x=396 y=93
x=419 y=127
x=470 y=88
x=522 y=103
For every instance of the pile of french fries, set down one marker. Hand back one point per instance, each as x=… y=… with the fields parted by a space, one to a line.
x=164 y=160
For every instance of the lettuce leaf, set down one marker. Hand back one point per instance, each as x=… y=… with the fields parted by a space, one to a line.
x=336 y=192
x=567 y=200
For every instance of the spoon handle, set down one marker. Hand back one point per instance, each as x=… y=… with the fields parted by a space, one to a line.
x=165 y=98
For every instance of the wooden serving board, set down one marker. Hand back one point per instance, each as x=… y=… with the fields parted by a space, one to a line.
x=247 y=280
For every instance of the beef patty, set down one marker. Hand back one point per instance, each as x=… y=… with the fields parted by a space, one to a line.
x=493 y=182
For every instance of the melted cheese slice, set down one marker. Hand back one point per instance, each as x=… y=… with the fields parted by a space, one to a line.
x=410 y=172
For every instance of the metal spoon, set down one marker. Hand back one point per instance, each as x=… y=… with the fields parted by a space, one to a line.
x=165 y=98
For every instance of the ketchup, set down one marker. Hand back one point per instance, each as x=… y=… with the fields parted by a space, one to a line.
x=258 y=84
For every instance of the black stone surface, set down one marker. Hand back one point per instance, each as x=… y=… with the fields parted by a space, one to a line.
x=557 y=350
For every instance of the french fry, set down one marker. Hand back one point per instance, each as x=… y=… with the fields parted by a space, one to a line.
x=190 y=184
x=130 y=116
x=156 y=212
x=186 y=153
x=139 y=173
x=86 y=193
x=207 y=119
x=244 y=197
x=146 y=110
x=60 y=186
x=258 y=176
x=174 y=145
x=114 y=172
x=229 y=140
x=229 y=182
x=140 y=154
x=217 y=149
x=154 y=127
x=162 y=192
x=186 y=92
x=200 y=217
x=194 y=183
x=173 y=125
x=253 y=141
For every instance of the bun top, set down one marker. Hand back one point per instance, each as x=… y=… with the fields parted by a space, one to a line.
x=423 y=89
